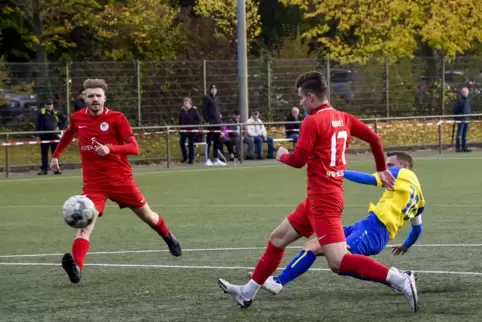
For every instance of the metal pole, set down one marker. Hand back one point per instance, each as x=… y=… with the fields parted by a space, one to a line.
x=387 y=96
x=269 y=84
x=440 y=136
x=67 y=89
x=139 y=114
x=168 y=148
x=7 y=166
x=205 y=77
x=443 y=86
x=328 y=78
x=242 y=61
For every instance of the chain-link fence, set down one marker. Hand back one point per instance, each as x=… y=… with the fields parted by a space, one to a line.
x=150 y=93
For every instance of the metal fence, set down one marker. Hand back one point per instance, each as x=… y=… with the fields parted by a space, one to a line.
x=161 y=145
x=150 y=93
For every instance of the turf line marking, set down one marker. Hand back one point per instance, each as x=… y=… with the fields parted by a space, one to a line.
x=182 y=170
x=226 y=206
x=221 y=249
x=215 y=267
x=159 y=171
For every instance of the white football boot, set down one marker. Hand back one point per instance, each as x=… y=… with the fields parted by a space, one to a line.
x=236 y=292
x=271 y=285
x=409 y=289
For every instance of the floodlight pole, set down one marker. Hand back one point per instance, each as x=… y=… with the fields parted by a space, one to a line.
x=242 y=61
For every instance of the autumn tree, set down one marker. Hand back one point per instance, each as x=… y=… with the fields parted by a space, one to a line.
x=367 y=28
x=224 y=15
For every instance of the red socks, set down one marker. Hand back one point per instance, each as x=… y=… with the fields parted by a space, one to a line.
x=364 y=267
x=161 y=227
x=268 y=263
x=79 y=251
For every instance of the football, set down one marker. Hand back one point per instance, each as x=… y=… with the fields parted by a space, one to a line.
x=78 y=211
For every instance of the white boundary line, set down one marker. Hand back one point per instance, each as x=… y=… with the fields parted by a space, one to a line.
x=184 y=170
x=215 y=267
x=226 y=206
x=222 y=249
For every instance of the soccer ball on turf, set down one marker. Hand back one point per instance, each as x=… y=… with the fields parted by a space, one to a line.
x=78 y=211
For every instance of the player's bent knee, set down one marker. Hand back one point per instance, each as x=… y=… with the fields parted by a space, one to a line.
x=334 y=265
x=315 y=247
x=283 y=235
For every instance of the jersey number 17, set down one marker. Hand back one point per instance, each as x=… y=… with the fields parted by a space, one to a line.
x=338 y=136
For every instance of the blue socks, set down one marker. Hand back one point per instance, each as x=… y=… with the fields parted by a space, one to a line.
x=297 y=267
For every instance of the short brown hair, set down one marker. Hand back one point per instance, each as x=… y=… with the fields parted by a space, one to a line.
x=313 y=82
x=95 y=83
x=403 y=157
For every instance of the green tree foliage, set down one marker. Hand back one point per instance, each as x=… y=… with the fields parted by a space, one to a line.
x=224 y=15
x=367 y=28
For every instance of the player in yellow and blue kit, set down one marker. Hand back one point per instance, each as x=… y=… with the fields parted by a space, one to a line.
x=371 y=235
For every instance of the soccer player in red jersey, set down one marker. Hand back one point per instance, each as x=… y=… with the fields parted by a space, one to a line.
x=324 y=138
x=105 y=141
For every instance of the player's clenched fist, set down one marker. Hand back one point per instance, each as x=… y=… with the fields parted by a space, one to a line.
x=281 y=151
x=54 y=165
x=102 y=149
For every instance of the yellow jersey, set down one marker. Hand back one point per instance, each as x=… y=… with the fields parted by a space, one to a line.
x=395 y=208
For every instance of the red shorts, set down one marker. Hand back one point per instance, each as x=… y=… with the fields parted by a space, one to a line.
x=126 y=196
x=321 y=216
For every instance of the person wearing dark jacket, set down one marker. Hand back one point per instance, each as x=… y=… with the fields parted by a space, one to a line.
x=188 y=116
x=48 y=119
x=293 y=129
x=212 y=115
x=462 y=107
x=79 y=102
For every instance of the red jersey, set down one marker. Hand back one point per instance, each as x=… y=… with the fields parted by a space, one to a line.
x=322 y=144
x=110 y=128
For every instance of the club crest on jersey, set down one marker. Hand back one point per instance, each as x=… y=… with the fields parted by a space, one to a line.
x=104 y=126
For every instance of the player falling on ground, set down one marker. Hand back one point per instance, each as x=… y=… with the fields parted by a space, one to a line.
x=324 y=137
x=370 y=236
x=105 y=141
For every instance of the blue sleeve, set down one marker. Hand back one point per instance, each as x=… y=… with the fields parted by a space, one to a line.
x=361 y=177
x=412 y=237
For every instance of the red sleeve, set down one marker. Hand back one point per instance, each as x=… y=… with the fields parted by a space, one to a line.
x=297 y=159
x=130 y=147
x=66 y=139
x=123 y=128
x=364 y=132
x=304 y=145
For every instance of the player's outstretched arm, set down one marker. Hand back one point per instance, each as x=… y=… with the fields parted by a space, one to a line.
x=303 y=147
x=65 y=141
x=361 y=177
x=362 y=131
x=412 y=237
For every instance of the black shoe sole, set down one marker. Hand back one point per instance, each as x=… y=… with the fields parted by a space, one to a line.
x=174 y=246
x=72 y=269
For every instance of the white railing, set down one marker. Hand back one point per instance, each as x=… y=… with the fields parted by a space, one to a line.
x=166 y=131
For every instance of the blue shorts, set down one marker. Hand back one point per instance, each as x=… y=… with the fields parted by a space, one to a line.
x=367 y=237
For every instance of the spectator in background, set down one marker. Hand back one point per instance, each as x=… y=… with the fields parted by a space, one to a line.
x=79 y=102
x=212 y=115
x=463 y=107
x=237 y=137
x=257 y=131
x=226 y=141
x=292 y=129
x=188 y=116
x=48 y=119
